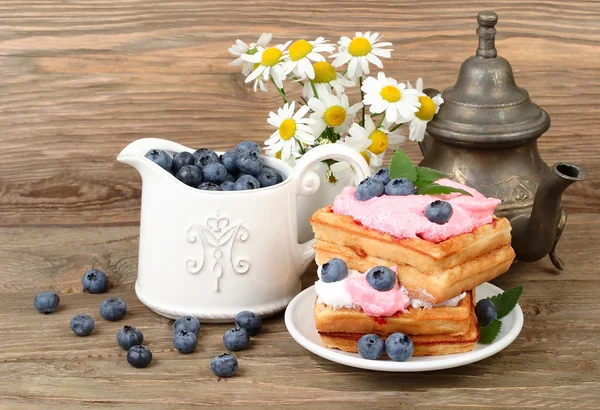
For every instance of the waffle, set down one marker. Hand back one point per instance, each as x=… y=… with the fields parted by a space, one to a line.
x=433 y=272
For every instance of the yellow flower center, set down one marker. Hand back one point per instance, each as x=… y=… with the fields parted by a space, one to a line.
x=427 y=110
x=255 y=66
x=379 y=142
x=300 y=49
x=271 y=57
x=287 y=129
x=324 y=72
x=366 y=157
x=390 y=93
x=278 y=155
x=359 y=46
x=334 y=116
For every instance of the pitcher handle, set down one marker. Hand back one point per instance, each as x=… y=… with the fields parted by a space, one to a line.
x=308 y=182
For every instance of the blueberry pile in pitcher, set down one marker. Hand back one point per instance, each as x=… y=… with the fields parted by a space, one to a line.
x=238 y=169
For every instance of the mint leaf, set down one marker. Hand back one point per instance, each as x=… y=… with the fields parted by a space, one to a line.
x=401 y=167
x=429 y=174
x=435 y=189
x=505 y=302
x=488 y=334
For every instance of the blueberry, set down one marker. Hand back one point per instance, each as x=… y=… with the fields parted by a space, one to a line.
x=205 y=156
x=224 y=365
x=95 y=281
x=228 y=159
x=215 y=173
x=160 y=158
x=267 y=177
x=113 y=309
x=280 y=177
x=185 y=342
x=46 y=302
x=334 y=270
x=129 y=336
x=189 y=175
x=180 y=160
x=382 y=175
x=227 y=186
x=246 y=182
x=369 y=188
x=189 y=323
x=249 y=321
x=485 y=311
x=249 y=162
x=438 y=212
x=399 y=347
x=236 y=339
x=209 y=186
x=82 y=325
x=400 y=187
x=139 y=356
x=248 y=146
x=230 y=178
x=371 y=347
x=381 y=278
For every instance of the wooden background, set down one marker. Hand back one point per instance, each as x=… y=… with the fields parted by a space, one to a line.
x=79 y=80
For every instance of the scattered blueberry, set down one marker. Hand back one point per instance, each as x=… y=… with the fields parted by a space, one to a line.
x=249 y=321
x=224 y=365
x=129 y=336
x=209 y=186
x=204 y=156
x=382 y=175
x=139 y=356
x=381 y=278
x=246 y=182
x=334 y=270
x=248 y=146
x=228 y=159
x=399 y=347
x=180 y=160
x=185 y=342
x=189 y=175
x=236 y=339
x=160 y=158
x=400 y=186
x=82 y=325
x=249 y=162
x=46 y=302
x=189 y=323
x=369 y=188
x=371 y=347
x=485 y=311
x=227 y=186
x=113 y=309
x=215 y=173
x=438 y=212
x=267 y=177
x=95 y=281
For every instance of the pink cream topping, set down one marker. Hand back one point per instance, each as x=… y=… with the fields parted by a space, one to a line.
x=374 y=302
x=403 y=216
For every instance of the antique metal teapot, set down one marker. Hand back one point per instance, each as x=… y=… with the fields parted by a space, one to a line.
x=485 y=136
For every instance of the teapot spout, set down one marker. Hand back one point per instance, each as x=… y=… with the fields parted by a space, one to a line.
x=539 y=234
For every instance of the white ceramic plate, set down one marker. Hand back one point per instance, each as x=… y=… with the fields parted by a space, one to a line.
x=300 y=323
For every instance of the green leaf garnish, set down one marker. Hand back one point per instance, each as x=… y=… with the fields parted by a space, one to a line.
x=435 y=189
x=505 y=302
x=429 y=174
x=402 y=167
x=488 y=334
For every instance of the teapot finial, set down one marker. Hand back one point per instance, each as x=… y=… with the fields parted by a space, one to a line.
x=487 y=34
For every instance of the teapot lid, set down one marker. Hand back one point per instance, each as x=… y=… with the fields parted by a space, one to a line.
x=486 y=106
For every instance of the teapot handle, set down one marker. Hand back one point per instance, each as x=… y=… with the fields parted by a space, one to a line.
x=308 y=182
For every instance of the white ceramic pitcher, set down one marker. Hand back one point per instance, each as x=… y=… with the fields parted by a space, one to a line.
x=213 y=254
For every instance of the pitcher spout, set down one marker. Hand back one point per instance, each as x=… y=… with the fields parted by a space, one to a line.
x=538 y=235
x=134 y=153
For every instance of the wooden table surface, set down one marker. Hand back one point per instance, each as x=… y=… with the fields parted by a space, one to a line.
x=79 y=80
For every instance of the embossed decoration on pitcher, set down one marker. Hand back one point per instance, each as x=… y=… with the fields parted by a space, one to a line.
x=218 y=238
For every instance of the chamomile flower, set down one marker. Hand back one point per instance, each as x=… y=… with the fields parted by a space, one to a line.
x=326 y=79
x=301 y=53
x=343 y=171
x=359 y=51
x=332 y=111
x=385 y=95
x=269 y=64
x=429 y=107
x=240 y=48
x=379 y=138
x=292 y=131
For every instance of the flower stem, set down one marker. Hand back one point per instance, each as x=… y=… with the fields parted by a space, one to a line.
x=381 y=122
x=281 y=91
x=362 y=97
x=396 y=127
x=312 y=84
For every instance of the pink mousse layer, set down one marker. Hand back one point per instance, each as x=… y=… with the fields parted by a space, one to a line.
x=374 y=302
x=403 y=216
